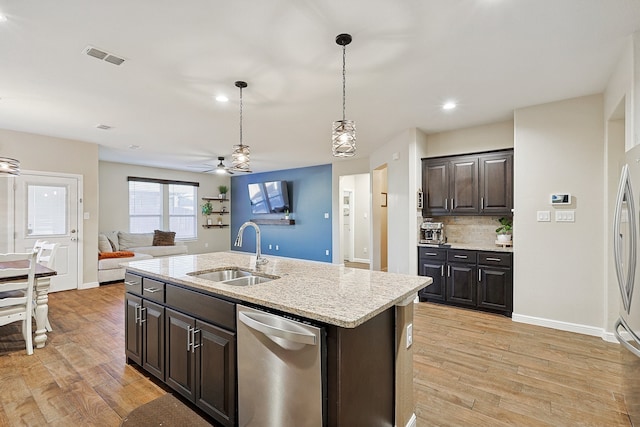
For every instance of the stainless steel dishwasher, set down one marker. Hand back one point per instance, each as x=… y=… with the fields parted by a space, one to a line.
x=280 y=365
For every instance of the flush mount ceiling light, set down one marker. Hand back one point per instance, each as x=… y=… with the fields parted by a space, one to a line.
x=241 y=153
x=9 y=166
x=344 y=131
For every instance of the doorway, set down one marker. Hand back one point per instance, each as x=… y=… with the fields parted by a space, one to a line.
x=47 y=208
x=355 y=195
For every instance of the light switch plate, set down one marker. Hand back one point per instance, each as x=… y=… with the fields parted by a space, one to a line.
x=565 y=216
x=544 y=216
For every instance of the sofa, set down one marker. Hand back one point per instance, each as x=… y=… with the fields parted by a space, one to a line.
x=116 y=247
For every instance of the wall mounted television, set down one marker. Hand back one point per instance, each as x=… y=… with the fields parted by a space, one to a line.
x=269 y=197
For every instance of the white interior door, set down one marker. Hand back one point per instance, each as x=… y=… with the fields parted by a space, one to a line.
x=46 y=208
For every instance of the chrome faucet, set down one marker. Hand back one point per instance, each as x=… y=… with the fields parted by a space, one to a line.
x=238 y=242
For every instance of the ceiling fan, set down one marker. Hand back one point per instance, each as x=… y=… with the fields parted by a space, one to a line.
x=220 y=168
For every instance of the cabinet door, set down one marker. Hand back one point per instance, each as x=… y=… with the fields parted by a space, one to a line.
x=133 y=332
x=180 y=366
x=495 y=289
x=435 y=270
x=463 y=190
x=153 y=338
x=216 y=372
x=435 y=182
x=496 y=183
x=461 y=284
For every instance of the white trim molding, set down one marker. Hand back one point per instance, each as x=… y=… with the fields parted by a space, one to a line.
x=563 y=326
x=412 y=421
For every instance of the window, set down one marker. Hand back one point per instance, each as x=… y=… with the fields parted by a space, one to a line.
x=163 y=205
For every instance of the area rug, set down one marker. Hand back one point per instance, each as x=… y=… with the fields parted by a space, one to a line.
x=165 y=411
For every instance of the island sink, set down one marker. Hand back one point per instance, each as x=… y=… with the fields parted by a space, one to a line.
x=233 y=276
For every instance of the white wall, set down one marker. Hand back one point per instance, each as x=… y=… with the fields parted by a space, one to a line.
x=362 y=216
x=114 y=192
x=559 y=267
x=49 y=154
x=493 y=136
x=403 y=171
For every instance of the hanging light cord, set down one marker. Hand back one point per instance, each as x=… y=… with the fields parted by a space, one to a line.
x=240 y=116
x=344 y=80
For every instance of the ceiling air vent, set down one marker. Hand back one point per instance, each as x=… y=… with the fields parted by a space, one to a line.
x=102 y=55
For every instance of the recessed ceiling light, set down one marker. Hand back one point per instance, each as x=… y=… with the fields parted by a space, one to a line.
x=222 y=98
x=449 y=105
x=134 y=147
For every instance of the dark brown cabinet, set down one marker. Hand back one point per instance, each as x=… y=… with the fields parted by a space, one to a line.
x=476 y=184
x=432 y=263
x=201 y=364
x=144 y=334
x=466 y=278
x=186 y=339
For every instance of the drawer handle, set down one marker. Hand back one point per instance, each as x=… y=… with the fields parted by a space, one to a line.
x=461 y=256
x=494 y=259
x=152 y=290
x=128 y=283
x=430 y=254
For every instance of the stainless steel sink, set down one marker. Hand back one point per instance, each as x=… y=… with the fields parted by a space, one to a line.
x=247 y=280
x=221 y=275
x=233 y=276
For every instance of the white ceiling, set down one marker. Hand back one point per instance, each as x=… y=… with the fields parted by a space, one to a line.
x=406 y=59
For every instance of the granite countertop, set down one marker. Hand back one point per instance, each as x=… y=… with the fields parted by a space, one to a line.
x=329 y=293
x=471 y=246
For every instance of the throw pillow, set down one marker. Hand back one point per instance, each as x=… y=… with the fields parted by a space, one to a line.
x=103 y=244
x=164 y=238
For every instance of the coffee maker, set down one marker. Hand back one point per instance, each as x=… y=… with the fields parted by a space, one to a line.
x=432 y=232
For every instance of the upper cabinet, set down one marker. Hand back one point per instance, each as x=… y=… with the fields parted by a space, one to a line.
x=477 y=184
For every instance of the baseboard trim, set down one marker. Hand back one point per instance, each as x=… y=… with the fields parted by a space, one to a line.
x=88 y=285
x=563 y=326
x=362 y=260
x=412 y=421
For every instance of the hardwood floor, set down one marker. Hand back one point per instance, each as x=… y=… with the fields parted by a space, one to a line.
x=470 y=369
x=478 y=369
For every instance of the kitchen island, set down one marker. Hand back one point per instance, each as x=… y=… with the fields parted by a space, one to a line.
x=367 y=368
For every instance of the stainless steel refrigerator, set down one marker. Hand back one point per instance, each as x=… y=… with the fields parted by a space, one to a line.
x=625 y=231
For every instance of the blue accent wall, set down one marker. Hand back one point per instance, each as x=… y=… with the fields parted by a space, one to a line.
x=310 y=198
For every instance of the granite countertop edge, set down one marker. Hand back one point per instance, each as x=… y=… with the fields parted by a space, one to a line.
x=324 y=296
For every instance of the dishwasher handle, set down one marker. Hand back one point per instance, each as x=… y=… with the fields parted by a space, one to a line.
x=293 y=338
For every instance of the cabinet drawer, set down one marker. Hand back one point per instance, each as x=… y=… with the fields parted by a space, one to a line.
x=153 y=289
x=205 y=307
x=432 y=253
x=461 y=256
x=494 y=258
x=133 y=283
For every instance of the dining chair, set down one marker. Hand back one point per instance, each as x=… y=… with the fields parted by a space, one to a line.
x=46 y=256
x=16 y=304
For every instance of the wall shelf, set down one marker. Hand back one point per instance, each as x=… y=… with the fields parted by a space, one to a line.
x=214 y=225
x=215 y=198
x=273 y=221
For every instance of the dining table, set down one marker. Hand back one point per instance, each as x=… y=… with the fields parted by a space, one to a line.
x=41 y=290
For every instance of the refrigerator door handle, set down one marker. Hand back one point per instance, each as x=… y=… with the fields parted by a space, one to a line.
x=632 y=349
x=278 y=333
x=625 y=204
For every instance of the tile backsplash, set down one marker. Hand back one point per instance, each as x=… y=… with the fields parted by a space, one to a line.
x=470 y=229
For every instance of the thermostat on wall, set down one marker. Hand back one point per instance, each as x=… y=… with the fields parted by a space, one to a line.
x=561 y=199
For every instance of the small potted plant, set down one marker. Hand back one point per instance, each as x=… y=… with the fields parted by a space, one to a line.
x=207 y=209
x=223 y=191
x=504 y=231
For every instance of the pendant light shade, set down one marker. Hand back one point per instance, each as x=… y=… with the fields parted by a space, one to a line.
x=9 y=166
x=343 y=134
x=241 y=155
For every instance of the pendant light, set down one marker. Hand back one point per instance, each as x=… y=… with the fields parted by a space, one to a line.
x=344 y=131
x=9 y=166
x=241 y=153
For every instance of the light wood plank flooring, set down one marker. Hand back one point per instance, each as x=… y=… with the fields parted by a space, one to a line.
x=470 y=369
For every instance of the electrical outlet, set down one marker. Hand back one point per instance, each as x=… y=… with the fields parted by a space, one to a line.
x=326 y=252
x=409 y=334
x=270 y=246
x=206 y=245
x=277 y=248
x=365 y=250
x=326 y=215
